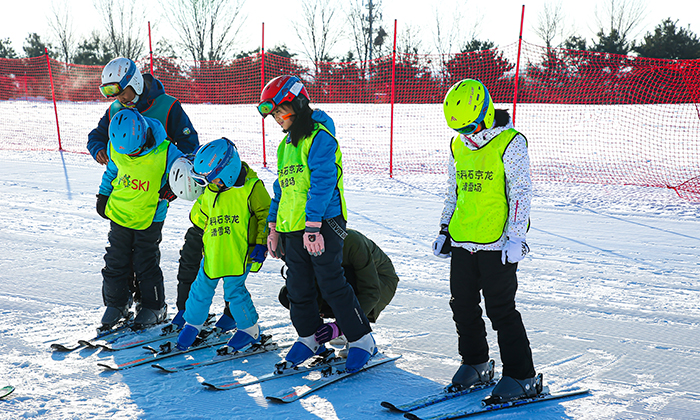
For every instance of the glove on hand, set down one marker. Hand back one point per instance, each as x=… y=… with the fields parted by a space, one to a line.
x=327 y=332
x=259 y=253
x=273 y=242
x=514 y=250
x=166 y=193
x=442 y=247
x=101 y=205
x=313 y=240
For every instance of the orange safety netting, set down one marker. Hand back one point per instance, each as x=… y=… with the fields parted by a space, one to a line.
x=588 y=117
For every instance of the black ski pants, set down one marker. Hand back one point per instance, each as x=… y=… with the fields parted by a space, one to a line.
x=483 y=271
x=190 y=259
x=140 y=248
x=305 y=272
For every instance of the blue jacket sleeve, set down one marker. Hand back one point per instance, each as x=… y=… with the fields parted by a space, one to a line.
x=181 y=131
x=323 y=200
x=275 y=202
x=108 y=176
x=98 y=137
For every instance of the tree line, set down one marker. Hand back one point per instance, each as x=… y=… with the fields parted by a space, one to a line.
x=207 y=30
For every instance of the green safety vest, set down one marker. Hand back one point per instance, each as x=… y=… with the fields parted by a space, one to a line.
x=294 y=178
x=226 y=238
x=482 y=205
x=134 y=198
x=160 y=109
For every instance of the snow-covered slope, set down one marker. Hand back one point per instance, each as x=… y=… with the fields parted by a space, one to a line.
x=609 y=296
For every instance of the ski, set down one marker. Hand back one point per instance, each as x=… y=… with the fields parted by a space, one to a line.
x=207 y=338
x=316 y=364
x=264 y=346
x=6 y=390
x=142 y=337
x=121 y=328
x=429 y=400
x=320 y=378
x=545 y=395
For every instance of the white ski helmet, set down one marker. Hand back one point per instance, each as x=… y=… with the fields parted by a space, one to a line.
x=181 y=181
x=119 y=74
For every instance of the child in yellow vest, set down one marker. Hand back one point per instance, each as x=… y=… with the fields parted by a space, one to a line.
x=483 y=227
x=233 y=212
x=140 y=158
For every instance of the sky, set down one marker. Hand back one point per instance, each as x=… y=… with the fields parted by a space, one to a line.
x=501 y=27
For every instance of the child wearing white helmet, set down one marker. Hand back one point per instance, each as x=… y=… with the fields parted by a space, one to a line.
x=482 y=230
x=140 y=158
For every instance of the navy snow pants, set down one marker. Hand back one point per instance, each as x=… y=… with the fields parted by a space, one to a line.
x=327 y=271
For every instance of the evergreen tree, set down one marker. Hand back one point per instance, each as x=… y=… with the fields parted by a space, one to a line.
x=477 y=45
x=671 y=42
x=6 y=50
x=92 y=51
x=34 y=46
x=612 y=43
x=575 y=43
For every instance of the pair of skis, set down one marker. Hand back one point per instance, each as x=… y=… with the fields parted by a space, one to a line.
x=207 y=338
x=472 y=409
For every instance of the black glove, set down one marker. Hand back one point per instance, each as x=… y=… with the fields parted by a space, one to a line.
x=101 y=205
x=166 y=193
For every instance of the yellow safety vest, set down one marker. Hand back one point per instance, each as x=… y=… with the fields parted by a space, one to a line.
x=294 y=178
x=226 y=237
x=134 y=198
x=482 y=205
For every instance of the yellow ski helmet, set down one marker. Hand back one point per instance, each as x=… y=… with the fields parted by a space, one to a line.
x=468 y=104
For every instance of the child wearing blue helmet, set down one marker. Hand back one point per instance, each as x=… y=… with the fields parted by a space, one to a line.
x=233 y=212
x=140 y=158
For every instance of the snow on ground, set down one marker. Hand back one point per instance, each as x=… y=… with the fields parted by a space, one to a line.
x=609 y=297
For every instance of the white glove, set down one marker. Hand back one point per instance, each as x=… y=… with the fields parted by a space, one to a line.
x=442 y=245
x=514 y=250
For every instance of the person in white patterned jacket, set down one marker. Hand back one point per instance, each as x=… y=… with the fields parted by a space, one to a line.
x=483 y=228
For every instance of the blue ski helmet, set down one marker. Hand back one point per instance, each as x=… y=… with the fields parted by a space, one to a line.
x=128 y=131
x=217 y=159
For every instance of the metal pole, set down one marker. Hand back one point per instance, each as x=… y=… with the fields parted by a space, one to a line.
x=262 y=85
x=393 y=91
x=53 y=95
x=150 y=47
x=517 y=65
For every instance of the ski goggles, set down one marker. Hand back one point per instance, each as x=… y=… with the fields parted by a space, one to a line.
x=265 y=108
x=472 y=127
x=110 y=90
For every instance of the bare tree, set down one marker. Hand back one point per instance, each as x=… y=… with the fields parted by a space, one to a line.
x=451 y=33
x=61 y=25
x=550 y=23
x=620 y=17
x=409 y=41
x=365 y=22
x=315 y=29
x=207 y=29
x=124 y=24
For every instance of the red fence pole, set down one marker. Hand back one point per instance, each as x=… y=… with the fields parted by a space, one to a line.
x=517 y=65
x=262 y=85
x=393 y=90
x=53 y=95
x=150 y=47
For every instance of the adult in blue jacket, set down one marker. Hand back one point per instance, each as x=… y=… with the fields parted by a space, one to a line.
x=122 y=80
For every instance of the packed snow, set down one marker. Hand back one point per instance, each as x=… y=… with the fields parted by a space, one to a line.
x=609 y=296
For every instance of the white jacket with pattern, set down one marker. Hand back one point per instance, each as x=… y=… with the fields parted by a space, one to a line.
x=516 y=162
